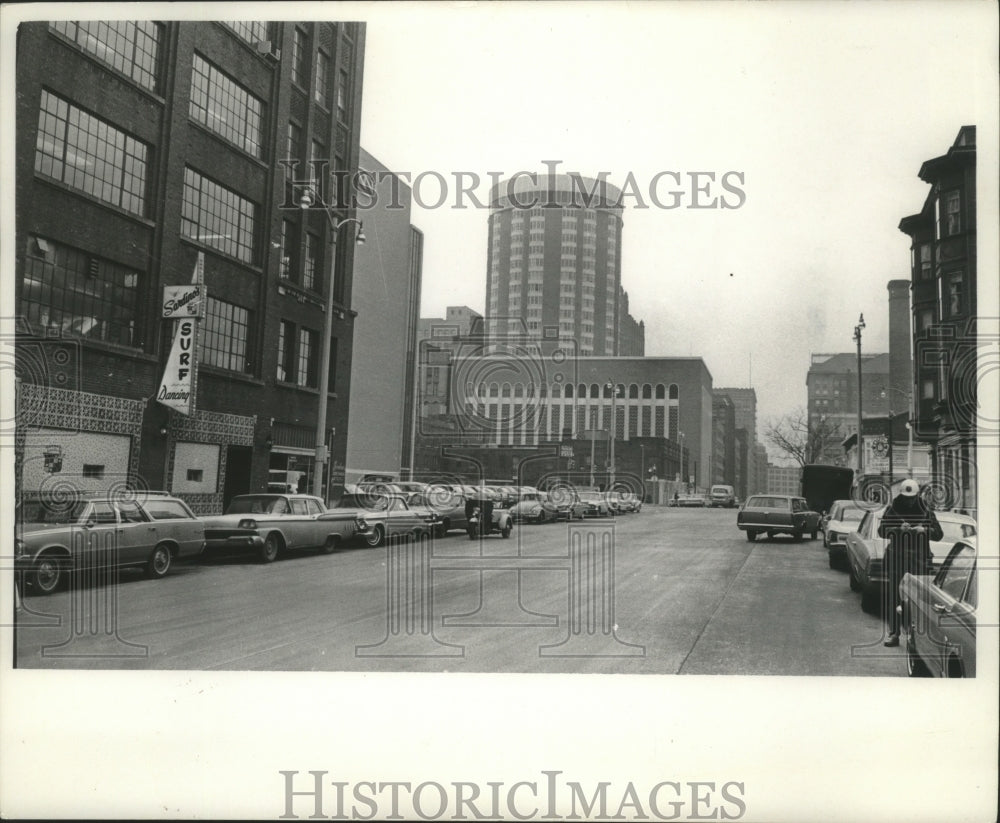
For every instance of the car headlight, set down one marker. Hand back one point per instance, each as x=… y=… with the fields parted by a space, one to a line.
x=247 y=523
x=18 y=546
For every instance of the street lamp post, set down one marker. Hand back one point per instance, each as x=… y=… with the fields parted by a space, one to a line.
x=857 y=339
x=307 y=200
x=614 y=426
x=680 y=435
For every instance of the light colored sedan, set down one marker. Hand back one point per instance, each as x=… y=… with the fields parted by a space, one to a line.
x=939 y=614
x=843 y=518
x=865 y=550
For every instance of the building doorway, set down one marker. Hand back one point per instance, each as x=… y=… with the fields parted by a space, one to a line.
x=238 y=466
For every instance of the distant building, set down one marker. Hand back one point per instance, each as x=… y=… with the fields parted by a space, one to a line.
x=832 y=393
x=760 y=462
x=784 y=479
x=741 y=463
x=386 y=298
x=532 y=406
x=723 y=440
x=438 y=338
x=554 y=264
x=745 y=403
x=943 y=280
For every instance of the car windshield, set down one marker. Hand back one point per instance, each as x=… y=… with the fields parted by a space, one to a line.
x=257 y=504
x=590 y=496
x=53 y=513
x=851 y=515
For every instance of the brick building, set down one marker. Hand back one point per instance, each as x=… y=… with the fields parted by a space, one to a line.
x=943 y=291
x=140 y=146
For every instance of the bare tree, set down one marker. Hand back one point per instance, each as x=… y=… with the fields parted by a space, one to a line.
x=803 y=440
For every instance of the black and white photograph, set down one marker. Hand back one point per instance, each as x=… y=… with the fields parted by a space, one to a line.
x=500 y=411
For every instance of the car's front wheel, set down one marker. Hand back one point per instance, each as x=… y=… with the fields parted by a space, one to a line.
x=159 y=562
x=47 y=574
x=852 y=578
x=375 y=537
x=751 y=535
x=869 y=600
x=269 y=551
x=812 y=534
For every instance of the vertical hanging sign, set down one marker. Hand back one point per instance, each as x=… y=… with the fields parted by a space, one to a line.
x=179 y=385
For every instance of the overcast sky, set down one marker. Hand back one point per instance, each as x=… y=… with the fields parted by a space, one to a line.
x=827 y=109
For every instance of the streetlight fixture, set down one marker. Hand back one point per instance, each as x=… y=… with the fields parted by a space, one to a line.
x=857 y=339
x=309 y=198
x=680 y=435
x=614 y=427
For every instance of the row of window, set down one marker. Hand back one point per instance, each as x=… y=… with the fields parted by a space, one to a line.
x=595 y=390
x=78 y=294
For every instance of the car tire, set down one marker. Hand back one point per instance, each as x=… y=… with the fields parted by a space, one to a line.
x=377 y=536
x=812 y=534
x=869 y=601
x=269 y=551
x=833 y=561
x=751 y=535
x=47 y=574
x=915 y=666
x=505 y=531
x=330 y=546
x=770 y=535
x=852 y=578
x=797 y=537
x=159 y=562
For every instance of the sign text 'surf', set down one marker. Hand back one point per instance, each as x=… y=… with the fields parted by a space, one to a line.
x=180 y=376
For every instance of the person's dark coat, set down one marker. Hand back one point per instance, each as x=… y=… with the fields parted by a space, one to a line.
x=908 y=550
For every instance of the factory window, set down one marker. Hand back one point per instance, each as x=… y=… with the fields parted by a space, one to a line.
x=221 y=104
x=322 y=75
x=218 y=217
x=300 y=58
x=286 y=340
x=308 y=365
x=225 y=336
x=130 y=46
x=90 y=154
x=78 y=294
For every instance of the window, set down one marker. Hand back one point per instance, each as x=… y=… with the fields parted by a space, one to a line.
x=166 y=510
x=130 y=46
x=79 y=294
x=224 y=106
x=927 y=390
x=955 y=294
x=957 y=571
x=332 y=374
x=317 y=151
x=322 y=74
x=130 y=513
x=952 y=213
x=218 y=217
x=294 y=140
x=253 y=31
x=300 y=59
x=286 y=340
x=289 y=249
x=93 y=471
x=311 y=267
x=90 y=154
x=926 y=272
x=224 y=338
x=299 y=506
x=195 y=475
x=307 y=370
x=925 y=319
x=342 y=95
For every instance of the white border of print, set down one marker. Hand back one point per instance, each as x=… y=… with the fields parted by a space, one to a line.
x=187 y=744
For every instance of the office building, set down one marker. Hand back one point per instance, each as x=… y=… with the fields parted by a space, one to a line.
x=386 y=299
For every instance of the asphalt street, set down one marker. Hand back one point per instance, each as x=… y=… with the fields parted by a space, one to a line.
x=665 y=591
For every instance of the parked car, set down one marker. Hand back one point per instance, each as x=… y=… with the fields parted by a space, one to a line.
x=388 y=516
x=270 y=524
x=93 y=530
x=448 y=505
x=688 y=501
x=533 y=507
x=774 y=514
x=939 y=614
x=722 y=496
x=865 y=550
x=595 y=504
x=567 y=502
x=629 y=502
x=843 y=518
